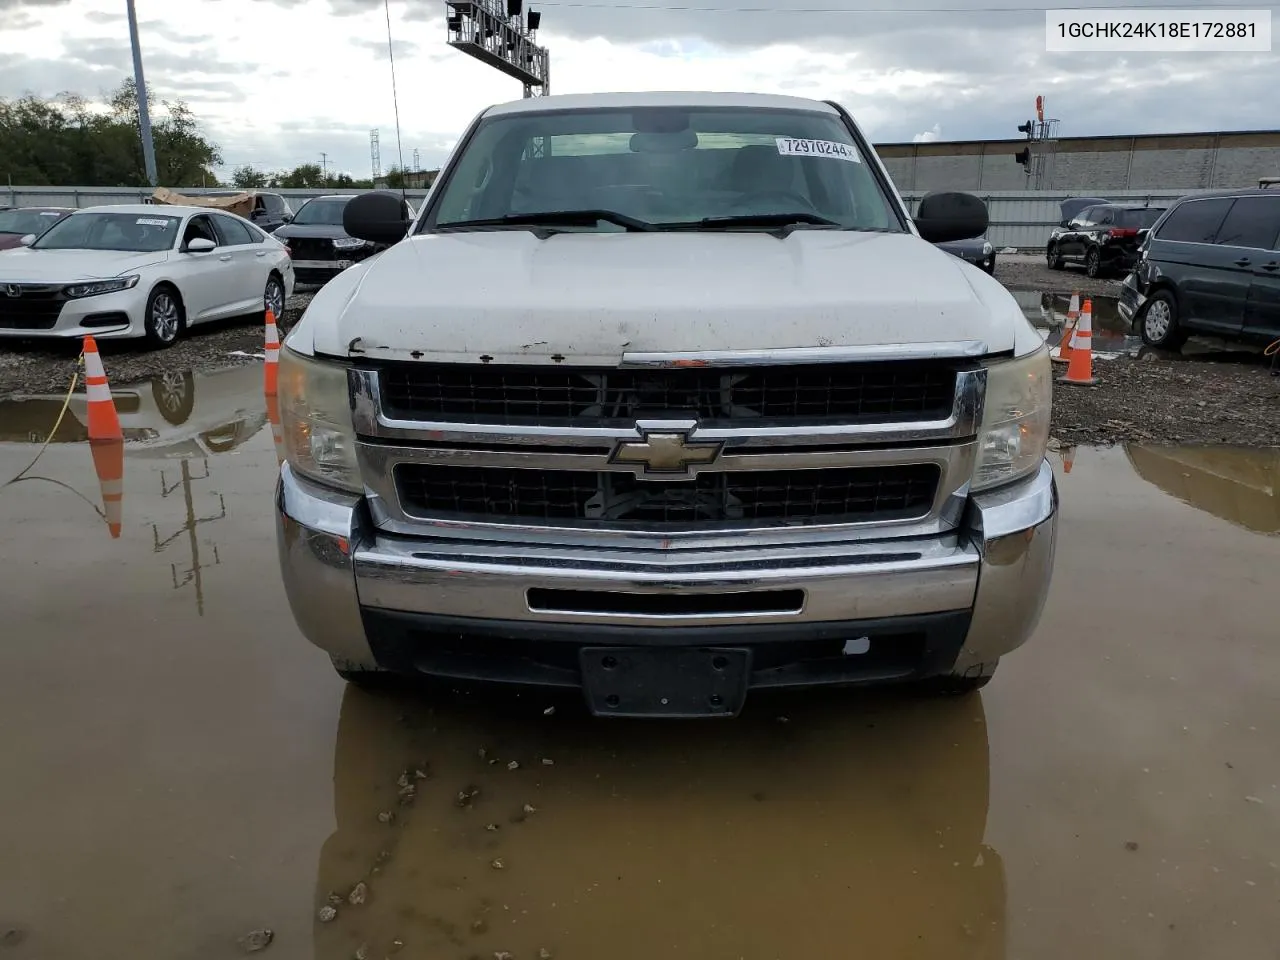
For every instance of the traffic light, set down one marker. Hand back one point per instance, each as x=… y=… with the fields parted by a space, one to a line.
x=1023 y=156
x=1025 y=128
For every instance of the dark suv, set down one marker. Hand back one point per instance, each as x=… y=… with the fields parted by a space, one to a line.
x=1103 y=237
x=1210 y=265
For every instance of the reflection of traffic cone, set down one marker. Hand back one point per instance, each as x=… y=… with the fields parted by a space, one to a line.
x=1080 y=370
x=104 y=424
x=1068 y=330
x=1068 y=458
x=273 y=355
x=108 y=464
x=277 y=436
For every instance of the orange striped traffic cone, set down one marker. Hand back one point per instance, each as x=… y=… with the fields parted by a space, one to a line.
x=1080 y=369
x=104 y=424
x=1068 y=330
x=108 y=464
x=273 y=356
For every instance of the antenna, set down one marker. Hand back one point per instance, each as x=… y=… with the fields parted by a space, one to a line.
x=391 y=55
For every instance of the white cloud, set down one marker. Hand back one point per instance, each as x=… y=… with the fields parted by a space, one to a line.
x=929 y=136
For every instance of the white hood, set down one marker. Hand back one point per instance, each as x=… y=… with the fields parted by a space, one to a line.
x=68 y=266
x=588 y=298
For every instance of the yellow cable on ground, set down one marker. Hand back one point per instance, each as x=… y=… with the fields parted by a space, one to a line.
x=1273 y=348
x=66 y=403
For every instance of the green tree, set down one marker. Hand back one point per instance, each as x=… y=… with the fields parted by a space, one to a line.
x=70 y=141
x=306 y=175
x=247 y=178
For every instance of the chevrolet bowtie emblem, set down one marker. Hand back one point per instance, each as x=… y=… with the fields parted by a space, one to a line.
x=666 y=455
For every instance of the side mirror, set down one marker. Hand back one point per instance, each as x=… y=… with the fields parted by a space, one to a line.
x=28 y=240
x=377 y=217
x=951 y=216
x=201 y=245
x=287 y=218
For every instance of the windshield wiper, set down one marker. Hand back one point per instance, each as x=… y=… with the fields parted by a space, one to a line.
x=555 y=218
x=785 y=221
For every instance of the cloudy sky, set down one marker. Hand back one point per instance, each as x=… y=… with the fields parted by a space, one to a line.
x=277 y=82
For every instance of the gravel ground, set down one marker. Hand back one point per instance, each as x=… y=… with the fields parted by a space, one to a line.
x=1024 y=271
x=37 y=368
x=1229 y=398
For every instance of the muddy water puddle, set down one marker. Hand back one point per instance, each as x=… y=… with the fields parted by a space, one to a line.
x=184 y=769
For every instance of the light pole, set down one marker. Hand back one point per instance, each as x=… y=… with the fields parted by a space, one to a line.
x=144 y=116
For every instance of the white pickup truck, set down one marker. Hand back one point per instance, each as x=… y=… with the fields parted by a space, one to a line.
x=666 y=398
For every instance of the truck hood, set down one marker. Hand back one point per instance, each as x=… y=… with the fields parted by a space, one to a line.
x=588 y=298
x=320 y=231
x=67 y=266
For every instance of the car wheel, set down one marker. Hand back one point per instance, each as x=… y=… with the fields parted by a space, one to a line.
x=1159 y=324
x=959 y=684
x=366 y=679
x=164 y=321
x=273 y=297
x=1093 y=263
x=174 y=395
x=1052 y=258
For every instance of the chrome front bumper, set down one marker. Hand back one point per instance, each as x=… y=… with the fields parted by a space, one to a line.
x=996 y=568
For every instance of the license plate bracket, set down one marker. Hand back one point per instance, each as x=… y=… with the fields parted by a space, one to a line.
x=675 y=682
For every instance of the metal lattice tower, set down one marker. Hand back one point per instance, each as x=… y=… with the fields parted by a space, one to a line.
x=498 y=33
x=375 y=155
x=417 y=163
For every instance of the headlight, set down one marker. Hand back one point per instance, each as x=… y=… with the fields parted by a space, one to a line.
x=1015 y=419
x=986 y=249
x=96 y=287
x=348 y=243
x=315 y=418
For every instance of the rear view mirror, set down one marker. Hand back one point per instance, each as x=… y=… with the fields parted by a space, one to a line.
x=377 y=217
x=201 y=245
x=28 y=240
x=946 y=216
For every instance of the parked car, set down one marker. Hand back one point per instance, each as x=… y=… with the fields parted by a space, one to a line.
x=978 y=251
x=320 y=247
x=1104 y=237
x=137 y=270
x=1210 y=265
x=665 y=420
x=270 y=211
x=17 y=223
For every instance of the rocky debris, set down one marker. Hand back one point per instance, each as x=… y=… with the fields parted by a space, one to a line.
x=256 y=940
x=1170 y=401
x=326 y=914
x=529 y=808
x=513 y=765
x=544 y=954
x=499 y=864
x=386 y=816
x=467 y=796
x=548 y=762
x=359 y=894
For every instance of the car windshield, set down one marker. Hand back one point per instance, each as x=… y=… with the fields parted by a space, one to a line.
x=23 y=222
x=135 y=232
x=1141 y=219
x=671 y=166
x=321 y=213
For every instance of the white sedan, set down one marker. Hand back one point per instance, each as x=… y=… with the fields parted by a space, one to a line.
x=139 y=270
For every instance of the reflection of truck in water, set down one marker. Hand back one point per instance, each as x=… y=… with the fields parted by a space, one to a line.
x=182 y=414
x=1239 y=486
x=852 y=823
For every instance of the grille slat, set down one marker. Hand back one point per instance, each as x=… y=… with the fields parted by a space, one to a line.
x=839 y=392
x=37 y=307
x=616 y=499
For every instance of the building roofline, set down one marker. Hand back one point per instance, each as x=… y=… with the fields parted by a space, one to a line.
x=1082 y=137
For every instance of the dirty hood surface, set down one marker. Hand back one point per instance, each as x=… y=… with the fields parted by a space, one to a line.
x=588 y=298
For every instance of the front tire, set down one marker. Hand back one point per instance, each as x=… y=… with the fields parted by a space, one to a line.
x=164 y=319
x=1093 y=263
x=1159 y=323
x=273 y=298
x=1052 y=258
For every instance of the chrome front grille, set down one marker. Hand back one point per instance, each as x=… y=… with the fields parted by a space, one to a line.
x=882 y=448
x=816 y=392
x=615 y=499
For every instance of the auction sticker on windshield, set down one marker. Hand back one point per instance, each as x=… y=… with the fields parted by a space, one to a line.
x=147 y=222
x=790 y=147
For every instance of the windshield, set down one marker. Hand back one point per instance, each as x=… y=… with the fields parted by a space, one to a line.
x=321 y=212
x=667 y=166
x=1140 y=219
x=134 y=232
x=23 y=222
